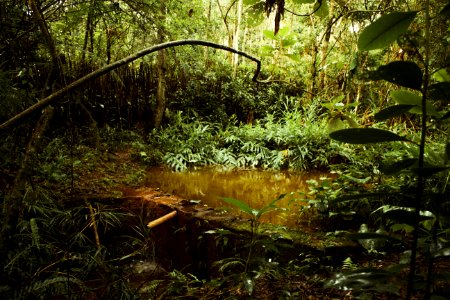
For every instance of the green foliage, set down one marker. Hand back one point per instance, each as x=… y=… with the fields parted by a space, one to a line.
x=412 y=208
x=56 y=252
x=293 y=142
x=385 y=30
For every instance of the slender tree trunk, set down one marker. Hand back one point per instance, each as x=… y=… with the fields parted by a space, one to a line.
x=88 y=32
x=161 y=69
x=235 y=60
x=325 y=45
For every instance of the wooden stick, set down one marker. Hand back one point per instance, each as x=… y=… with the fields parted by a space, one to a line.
x=162 y=219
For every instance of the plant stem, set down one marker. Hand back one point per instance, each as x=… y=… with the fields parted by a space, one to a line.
x=421 y=177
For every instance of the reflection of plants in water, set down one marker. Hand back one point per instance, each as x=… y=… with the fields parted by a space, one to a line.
x=259 y=265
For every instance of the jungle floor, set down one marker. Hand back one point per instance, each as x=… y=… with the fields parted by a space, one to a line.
x=203 y=253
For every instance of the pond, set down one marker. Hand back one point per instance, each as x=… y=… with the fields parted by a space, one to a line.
x=257 y=188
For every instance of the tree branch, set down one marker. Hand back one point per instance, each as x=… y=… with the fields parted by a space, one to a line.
x=106 y=69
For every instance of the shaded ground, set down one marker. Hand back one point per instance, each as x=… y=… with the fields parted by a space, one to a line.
x=188 y=262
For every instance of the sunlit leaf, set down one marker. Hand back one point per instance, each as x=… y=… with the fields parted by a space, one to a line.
x=365 y=136
x=286 y=43
x=440 y=91
x=269 y=34
x=250 y=2
x=323 y=10
x=410 y=98
x=392 y=111
x=254 y=15
x=266 y=50
x=441 y=75
x=403 y=73
x=385 y=30
x=241 y=205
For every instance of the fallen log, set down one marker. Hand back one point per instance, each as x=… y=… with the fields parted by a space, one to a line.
x=163 y=219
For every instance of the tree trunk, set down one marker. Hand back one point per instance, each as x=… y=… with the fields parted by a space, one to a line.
x=161 y=69
x=325 y=45
x=236 y=36
x=88 y=32
x=160 y=90
x=13 y=202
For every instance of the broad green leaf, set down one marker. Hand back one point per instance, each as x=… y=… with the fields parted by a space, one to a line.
x=269 y=34
x=410 y=98
x=266 y=50
x=398 y=166
x=254 y=15
x=286 y=43
x=440 y=91
x=241 y=205
x=323 y=10
x=392 y=111
x=365 y=136
x=441 y=75
x=403 y=73
x=250 y=2
x=282 y=32
x=385 y=30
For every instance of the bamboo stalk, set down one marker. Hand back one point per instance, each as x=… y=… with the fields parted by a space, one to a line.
x=161 y=220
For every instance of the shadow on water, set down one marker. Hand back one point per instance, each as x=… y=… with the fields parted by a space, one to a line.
x=257 y=188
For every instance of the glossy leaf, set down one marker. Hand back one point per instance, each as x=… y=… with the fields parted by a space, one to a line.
x=441 y=75
x=392 y=111
x=365 y=136
x=403 y=73
x=385 y=30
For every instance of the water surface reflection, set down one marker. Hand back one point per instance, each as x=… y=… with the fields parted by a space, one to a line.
x=257 y=188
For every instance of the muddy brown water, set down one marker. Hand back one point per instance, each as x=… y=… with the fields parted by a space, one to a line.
x=257 y=188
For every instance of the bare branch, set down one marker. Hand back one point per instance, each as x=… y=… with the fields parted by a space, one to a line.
x=106 y=69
